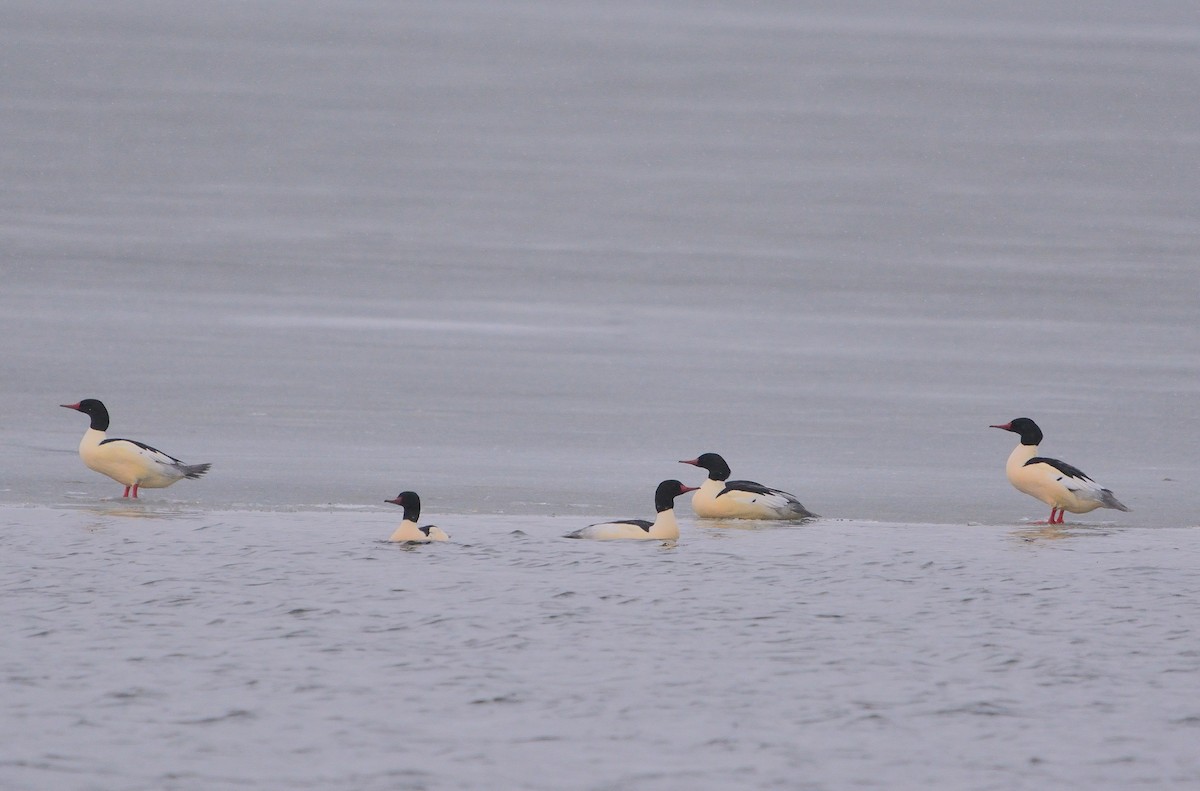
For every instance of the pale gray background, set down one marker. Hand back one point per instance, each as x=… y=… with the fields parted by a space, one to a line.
x=526 y=255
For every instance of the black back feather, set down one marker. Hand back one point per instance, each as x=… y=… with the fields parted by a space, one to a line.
x=1066 y=469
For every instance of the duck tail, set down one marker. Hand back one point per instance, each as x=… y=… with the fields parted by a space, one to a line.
x=1109 y=501
x=194 y=470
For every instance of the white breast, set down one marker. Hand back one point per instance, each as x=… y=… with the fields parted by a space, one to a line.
x=409 y=531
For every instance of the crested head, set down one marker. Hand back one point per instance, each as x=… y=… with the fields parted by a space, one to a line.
x=1029 y=431
x=718 y=470
x=667 y=491
x=93 y=408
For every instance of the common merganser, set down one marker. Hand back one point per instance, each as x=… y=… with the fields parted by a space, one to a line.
x=128 y=461
x=664 y=527
x=720 y=498
x=408 y=530
x=1054 y=482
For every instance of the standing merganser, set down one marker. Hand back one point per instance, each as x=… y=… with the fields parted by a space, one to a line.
x=408 y=530
x=664 y=527
x=719 y=498
x=127 y=461
x=1054 y=482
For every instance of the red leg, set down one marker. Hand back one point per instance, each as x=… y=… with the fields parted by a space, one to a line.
x=1058 y=520
x=127 y=492
x=135 y=486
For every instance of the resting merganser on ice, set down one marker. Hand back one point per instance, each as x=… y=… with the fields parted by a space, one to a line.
x=720 y=498
x=1054 y=482
x=127 y=461
x=408 y=530
x=663 y=528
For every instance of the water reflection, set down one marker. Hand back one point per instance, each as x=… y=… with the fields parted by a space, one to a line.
x=134 y=509
x=749 y=524
x=1044 y=532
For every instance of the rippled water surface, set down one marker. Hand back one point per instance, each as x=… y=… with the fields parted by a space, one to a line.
x=523 y=257
x=173 y=648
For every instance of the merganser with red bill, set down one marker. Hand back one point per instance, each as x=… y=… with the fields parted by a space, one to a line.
x=663 y=528
x=408 y=530
x=127 y=461
x=720 y=498
x=1054 y=482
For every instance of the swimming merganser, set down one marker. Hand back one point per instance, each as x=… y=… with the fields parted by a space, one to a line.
x=128 y=461
x=1054 y=482
x=720 y=498
x=408 y=530
x=664 y=527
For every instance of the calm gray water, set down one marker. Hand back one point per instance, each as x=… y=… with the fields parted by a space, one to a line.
x=522 y=258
